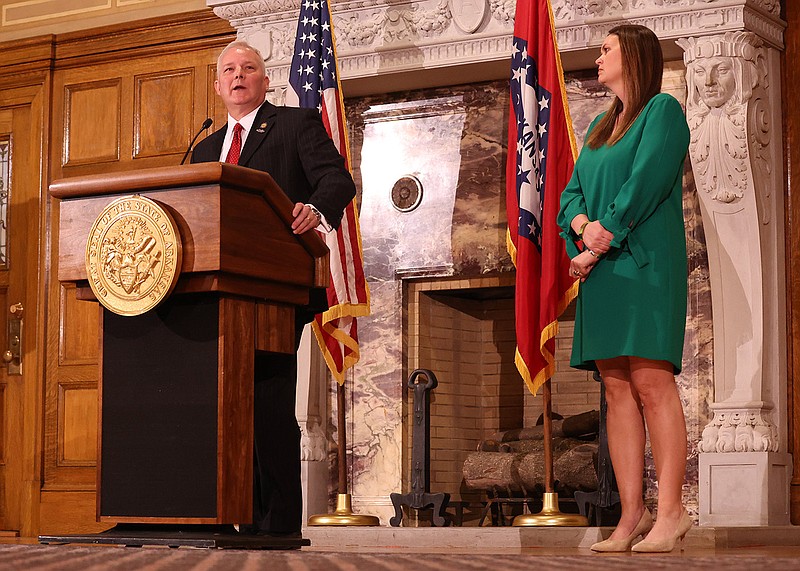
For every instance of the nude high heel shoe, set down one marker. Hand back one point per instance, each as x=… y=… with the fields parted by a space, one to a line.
x=666 y=545
x=619 y=545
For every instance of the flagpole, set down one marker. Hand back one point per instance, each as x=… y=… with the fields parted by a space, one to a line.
x=342 y=438
x=315 y=60
x=343 y=515
x=547 y=398
x=540 y=130
x=550 y=515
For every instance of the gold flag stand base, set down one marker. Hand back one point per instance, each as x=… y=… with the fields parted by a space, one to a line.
x=344 y=515
x=550 y=515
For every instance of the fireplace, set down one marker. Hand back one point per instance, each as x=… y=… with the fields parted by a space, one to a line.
x=463 y=331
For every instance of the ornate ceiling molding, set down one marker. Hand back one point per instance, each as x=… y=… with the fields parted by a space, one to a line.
x=395 y=36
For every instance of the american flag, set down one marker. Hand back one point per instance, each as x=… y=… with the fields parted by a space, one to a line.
x=541 y=155
x=314 y=82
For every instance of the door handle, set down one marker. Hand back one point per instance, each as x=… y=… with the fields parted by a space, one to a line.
x=13 y=355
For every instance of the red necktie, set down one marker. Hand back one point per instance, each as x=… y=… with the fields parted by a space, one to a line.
x=236 y=145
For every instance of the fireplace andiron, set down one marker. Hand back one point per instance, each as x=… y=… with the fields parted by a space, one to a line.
x=420 y=496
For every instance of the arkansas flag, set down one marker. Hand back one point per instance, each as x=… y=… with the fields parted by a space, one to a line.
x=541 y=155
x=314 y=82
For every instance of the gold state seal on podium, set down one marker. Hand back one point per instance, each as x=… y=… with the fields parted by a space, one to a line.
x=133 y=255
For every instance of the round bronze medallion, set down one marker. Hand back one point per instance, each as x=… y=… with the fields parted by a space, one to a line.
x=133 y=255
x=407 y=193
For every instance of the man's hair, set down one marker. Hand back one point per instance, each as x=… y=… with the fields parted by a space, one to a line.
x=642 y=71
x=242 y=45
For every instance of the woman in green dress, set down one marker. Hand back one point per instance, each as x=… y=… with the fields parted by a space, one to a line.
x=622 y=219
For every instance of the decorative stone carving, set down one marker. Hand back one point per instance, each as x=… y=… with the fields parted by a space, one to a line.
x=771 y=6
x=574 y=9
x=313 y=443
x=236 y=11
x=740 y=430
x=721 y=76
x=359 y=31
x=282 y=42
x=730 y=148
x=426 y=23
x=260 y=37
x=503 y=10
x=405 y=25
x=468 y=14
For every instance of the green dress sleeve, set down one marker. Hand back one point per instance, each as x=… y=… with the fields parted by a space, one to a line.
x=665 y=140
x=573 y=203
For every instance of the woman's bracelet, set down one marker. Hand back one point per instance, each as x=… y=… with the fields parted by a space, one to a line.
x=583 y=227
x=593 y=253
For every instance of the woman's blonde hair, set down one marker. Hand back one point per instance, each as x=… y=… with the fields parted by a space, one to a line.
x=642 y=70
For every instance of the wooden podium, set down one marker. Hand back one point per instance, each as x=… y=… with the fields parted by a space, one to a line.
x=175 y=463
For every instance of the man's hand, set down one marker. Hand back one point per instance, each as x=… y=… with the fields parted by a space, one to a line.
x=597 y=238
x=304 y=218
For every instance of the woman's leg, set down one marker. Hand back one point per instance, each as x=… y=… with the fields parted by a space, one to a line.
x=654 y=383
x=626 y=440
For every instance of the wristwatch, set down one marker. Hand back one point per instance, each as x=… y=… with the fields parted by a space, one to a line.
x=315 y=212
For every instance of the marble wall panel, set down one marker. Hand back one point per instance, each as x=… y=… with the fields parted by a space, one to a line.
x=418 y=139
x=479 y=216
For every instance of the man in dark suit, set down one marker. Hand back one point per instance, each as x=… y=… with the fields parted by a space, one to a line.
x=294 y=148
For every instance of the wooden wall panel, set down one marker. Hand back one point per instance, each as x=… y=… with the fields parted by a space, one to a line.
x=216 y=110
x=92 y=122
x=2 y=424
x=67 y=465
x=77 y=425
x=164 y=113
x=68 y=512
x=160 y=108
x=791 y=118
x=79 y=332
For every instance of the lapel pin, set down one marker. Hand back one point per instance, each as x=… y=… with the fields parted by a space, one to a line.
x=261 y=127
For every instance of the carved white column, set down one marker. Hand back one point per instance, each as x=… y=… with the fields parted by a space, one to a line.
x=312 y=416
x=733 y=110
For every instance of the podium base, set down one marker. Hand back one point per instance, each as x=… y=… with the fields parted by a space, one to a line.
x=203 y=536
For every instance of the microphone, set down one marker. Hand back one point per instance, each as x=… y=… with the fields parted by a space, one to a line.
x=206 y=125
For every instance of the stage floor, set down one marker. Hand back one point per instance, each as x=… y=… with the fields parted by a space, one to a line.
x=386 y=549
x=521 y=539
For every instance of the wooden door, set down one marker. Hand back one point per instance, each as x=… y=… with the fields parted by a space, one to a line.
x=19 y=239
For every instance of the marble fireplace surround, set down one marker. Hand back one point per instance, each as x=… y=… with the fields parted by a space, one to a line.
x=734 y=394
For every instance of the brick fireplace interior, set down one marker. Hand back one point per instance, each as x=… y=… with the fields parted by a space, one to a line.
x=463 y=331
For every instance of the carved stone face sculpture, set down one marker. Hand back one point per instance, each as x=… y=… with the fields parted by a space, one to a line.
x=715 y=80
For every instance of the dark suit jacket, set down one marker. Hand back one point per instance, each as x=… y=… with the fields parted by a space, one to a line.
x=293 y=147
